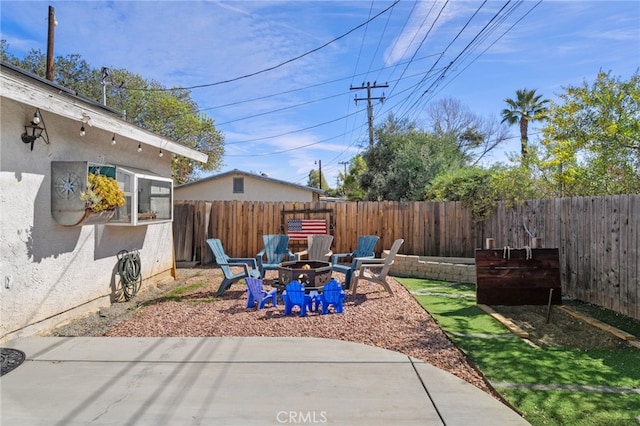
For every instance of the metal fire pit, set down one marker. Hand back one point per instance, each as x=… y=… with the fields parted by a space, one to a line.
x=317 y=275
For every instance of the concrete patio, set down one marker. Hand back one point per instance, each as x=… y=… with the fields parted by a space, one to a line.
x=233 y=381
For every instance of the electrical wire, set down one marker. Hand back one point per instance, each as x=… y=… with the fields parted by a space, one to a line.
x=447 y=48
x=297 y=130
x=280 y=109
x=288 y=61
x=493 y=43
x=433 y=78
x=421 y=42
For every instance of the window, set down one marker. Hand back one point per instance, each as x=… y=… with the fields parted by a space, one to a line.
x=149 y=198
x=238 y=185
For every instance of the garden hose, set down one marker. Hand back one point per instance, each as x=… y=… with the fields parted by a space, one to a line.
x=130 y=271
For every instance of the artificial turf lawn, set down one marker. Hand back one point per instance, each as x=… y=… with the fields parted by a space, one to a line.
x=574 y=408
x=511 y=360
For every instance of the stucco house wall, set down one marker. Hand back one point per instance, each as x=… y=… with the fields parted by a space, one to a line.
x=52 y=273
x=256 y=188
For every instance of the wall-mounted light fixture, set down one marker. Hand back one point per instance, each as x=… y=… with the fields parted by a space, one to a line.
x=160 y=154
x=139 y=148
x=33 y=131
x=113 y=140
x=86 y=120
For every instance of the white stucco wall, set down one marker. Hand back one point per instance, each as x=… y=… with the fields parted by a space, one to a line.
x=50 y=273
x=254 y=190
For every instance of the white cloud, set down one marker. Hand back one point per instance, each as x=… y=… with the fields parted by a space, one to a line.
x=185 y=43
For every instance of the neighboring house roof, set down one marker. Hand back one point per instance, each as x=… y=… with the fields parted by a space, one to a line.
x=24 y=87
x=236 y=172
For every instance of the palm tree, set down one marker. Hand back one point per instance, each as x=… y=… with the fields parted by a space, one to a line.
x=526 y=107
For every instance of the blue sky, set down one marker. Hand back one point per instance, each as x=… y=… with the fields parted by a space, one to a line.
x=284 y=120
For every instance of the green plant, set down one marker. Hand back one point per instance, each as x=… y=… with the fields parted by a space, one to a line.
x=103 y=193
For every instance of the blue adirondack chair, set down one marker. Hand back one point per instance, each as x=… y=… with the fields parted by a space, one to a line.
x=364 y=250
x=257 y=294
x=250 y=268
x=275 y=251
x=294 y=295
x=332 y=294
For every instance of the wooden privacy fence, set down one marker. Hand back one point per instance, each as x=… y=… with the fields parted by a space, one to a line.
x=597 y=237
x=428 y=228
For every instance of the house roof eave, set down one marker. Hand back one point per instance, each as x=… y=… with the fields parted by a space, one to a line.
x=252 y=175
x=23 y=87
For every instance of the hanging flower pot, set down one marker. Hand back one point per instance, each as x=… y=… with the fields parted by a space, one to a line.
x=96 y=218
x=102 y=196
x=84 y=193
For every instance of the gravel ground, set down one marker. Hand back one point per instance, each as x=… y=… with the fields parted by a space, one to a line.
x=372 y=317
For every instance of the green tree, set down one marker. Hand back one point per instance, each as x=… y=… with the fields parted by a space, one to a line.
x=351 y=180
x=171 y=113
x=168 y=112
x=518 y=182
x=405 y=159
x=4 y=55
x=526 y=107
x=472 y=185
x=314 y=180
x=592 y=140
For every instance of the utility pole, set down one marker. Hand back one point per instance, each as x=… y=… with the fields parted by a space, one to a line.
x=369 y=104
x=319 y=174
x=105 y=74
x=344 y=163
x=50 y=43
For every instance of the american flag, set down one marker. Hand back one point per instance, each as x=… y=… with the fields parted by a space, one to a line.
x=300 y=229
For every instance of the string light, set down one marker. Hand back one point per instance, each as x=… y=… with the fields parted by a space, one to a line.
x=82 y=132
x=139 y=148
x=113 y=139
x=160 y=154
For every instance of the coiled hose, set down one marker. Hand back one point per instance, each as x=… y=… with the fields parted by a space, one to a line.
x=130 y=271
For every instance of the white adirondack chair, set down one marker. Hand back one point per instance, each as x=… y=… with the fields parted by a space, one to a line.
x=319 y=248
x=376 y=270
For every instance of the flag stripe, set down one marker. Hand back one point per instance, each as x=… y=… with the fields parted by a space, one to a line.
x=300 y=229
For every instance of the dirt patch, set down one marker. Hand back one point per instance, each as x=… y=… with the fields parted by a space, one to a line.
x=99 y=323
x=562 y=330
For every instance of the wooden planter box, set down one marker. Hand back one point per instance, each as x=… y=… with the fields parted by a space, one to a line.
x=508 y=277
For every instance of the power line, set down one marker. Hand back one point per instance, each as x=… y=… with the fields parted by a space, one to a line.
x=493 y=43
x=253 y=74
x=440 y=76
x=287 y=150
x=296 y=131
x=443 y=73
